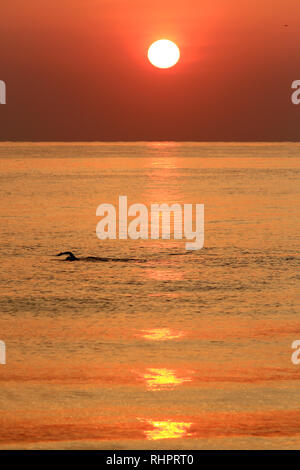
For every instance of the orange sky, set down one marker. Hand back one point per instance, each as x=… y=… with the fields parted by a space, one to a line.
x=77 y=70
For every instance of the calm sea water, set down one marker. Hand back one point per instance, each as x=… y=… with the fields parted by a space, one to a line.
x=177 y=352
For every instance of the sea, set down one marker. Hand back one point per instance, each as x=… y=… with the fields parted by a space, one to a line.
x=148 y=345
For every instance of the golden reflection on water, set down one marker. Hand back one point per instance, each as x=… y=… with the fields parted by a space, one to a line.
x=160 y=334
x=167 y=430
x=161 y=154
x=160 y=379
x=164 y=274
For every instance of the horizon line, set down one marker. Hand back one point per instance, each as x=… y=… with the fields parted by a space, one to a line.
x=149 y=141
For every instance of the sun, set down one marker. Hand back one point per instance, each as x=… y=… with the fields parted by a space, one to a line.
x=163 y=54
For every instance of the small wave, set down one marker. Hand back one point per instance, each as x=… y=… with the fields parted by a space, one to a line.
x=96 y=259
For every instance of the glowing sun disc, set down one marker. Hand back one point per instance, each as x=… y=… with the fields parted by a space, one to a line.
x=163 y=54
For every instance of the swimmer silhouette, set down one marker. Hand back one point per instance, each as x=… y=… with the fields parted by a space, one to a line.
x=72 y=257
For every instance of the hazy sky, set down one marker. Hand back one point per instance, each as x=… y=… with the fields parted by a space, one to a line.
x=78 y=70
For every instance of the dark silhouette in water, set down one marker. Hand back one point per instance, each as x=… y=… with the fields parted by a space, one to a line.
x=72 y=257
